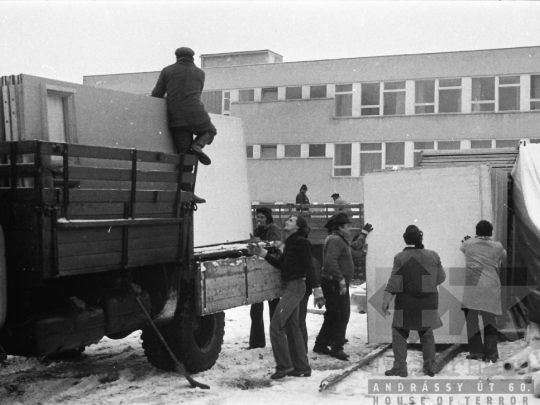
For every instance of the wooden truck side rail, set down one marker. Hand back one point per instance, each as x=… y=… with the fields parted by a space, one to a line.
x=76 y=209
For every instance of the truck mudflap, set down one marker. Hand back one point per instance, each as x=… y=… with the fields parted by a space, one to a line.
x=3 y=279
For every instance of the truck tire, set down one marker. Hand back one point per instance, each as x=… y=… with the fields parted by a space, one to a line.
x=195 y=341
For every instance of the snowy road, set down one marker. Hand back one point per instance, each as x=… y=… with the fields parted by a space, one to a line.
x=117 y=372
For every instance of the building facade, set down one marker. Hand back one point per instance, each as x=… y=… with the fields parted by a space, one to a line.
x=326 y=123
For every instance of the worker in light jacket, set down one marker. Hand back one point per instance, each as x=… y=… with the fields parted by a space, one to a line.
x=414 y=279
x=482 y=291
x=337 y=273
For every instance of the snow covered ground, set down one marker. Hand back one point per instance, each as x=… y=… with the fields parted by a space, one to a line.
x=116 y=372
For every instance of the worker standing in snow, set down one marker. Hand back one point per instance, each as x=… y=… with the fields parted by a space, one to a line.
x=183 y=82
x=285 y=335
x=414 y=279
x=482 y=291
x=266 y=230
x=337 y=273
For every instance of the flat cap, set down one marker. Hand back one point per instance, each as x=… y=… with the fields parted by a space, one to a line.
x=184 y=52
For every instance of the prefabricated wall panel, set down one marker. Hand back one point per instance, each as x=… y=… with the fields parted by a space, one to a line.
x=100 y=117
x=446 y=203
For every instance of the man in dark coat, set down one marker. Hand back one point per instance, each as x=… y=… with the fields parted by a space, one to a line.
x=183 y=83
x=414 y=279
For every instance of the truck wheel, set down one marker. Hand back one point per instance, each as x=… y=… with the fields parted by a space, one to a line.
x=195 y=341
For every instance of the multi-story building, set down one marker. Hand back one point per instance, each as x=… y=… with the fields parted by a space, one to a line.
x=326 y=123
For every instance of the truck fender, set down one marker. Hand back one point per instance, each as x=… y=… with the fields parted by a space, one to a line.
x=3 y=279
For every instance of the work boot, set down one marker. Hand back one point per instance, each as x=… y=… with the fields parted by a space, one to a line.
x=396 y=371
x=339 y=354
x=197 y=200
x=199 y=143
x=321 y=349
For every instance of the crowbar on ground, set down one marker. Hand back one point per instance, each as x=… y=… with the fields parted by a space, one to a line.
x=333 y=379
x=179 y=367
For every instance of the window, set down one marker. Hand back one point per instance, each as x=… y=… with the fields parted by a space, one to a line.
x=343 y=97
x=480 y=144
x=292 y=150
x=370 y=99
x=419 y=147
x=535 y=92
x=507 y=143
x=269 y=94
x=249 y=151
x=213 y=101
x=293 y=93
x=395 y=154
x=268 y=151
x=483 y=94
x=317 y=150
x=342 y=159
x=448 y=145
x=534 y=141
x=394 y=98
x=509 y=93
x=449 y=95
x=424 y=98
x=317 y=91
x=246 y=96
x=370 y=157
x=226 y=102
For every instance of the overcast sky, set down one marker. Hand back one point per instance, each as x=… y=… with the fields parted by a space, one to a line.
x=67 y=40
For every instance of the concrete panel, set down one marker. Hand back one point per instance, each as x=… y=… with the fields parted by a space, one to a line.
x=117 y=119
x=446 y=204
x=137 y=83
x=273 y=180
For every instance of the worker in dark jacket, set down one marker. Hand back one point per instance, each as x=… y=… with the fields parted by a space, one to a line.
x=266 y=230
x=414 y=279
x=302 y=199
x=337 y=273
x=285 y=335
x=183 y=83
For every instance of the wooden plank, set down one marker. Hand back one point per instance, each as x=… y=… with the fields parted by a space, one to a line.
x=74 y=224
x=90 y=261
x=152 y=256
x=108 y=209
x=445 y=357
x=219 y=306
x=104 y=152
x=124 y=196
x=89 y=248
x=225 y=282
x=113 y=174
x=88 y=235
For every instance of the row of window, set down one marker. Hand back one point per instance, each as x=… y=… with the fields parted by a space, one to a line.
x=433 y=96
x=356 y=159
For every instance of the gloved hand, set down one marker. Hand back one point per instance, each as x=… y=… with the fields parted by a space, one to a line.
x=367 y=228
x=318 y=298
x=342 y=287
x=465 y=238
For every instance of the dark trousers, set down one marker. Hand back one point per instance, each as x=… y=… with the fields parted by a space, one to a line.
x=302 y=314
x=285 y=335
x=256 y=334
x=474 y=335
x=336 y=317
x=399 y=346
x=183 y=136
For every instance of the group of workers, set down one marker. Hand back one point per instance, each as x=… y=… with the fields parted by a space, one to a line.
x=413 y=282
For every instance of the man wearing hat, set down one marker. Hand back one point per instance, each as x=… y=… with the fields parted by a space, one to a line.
x=266 y=230
x=302 y=198
x=340 y=201
x=183 y=83
x=337 y=273
x=414 y=279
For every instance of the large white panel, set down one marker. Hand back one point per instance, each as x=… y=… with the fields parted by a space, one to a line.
x=446 y=204
x=226 y=216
